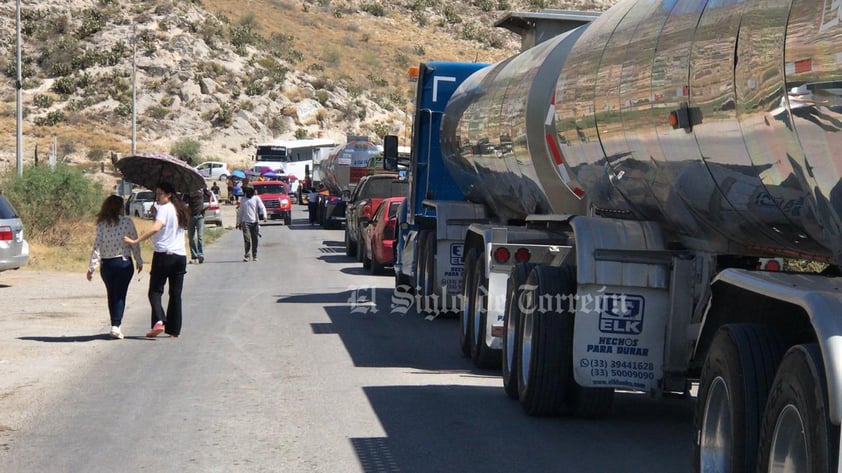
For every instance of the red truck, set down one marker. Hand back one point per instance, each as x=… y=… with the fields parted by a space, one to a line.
x=276 y=199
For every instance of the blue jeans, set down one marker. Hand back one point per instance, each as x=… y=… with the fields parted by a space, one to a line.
x=167 y=268
x=196 y=236
x=116 y=273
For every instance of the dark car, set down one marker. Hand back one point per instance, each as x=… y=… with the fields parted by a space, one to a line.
x=363 y=201
x=379 y=241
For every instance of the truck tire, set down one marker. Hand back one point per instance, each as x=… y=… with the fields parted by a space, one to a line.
x=546 y=341
x=733 y=388
x=288 y=220
x=465 y=328
x=350 y=246
x=510 y=356
x=483 y=356
x=796 y=433
x=589 y=403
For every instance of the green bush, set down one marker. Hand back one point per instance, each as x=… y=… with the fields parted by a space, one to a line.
x=45 y=197
x=187 y=150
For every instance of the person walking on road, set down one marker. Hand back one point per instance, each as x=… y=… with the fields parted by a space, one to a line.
x=196 y=228
x=169 y=260
x=249 y=213
x=114 y=257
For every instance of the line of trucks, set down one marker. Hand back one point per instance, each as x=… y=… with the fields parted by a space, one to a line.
x=596 y=206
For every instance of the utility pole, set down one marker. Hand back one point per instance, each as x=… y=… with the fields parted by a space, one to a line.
x=19 y=97
x=134 y=67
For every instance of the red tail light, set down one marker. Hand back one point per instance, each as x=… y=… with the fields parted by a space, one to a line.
x=502 y=255
x=522 y=255
x=6 y=233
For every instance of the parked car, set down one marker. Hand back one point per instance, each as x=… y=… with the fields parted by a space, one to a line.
x=379 y=242
x=275 y=197
x=14 y=250
x=361 y=205
x=140 y=204
x=214 y=170
x=213 y=214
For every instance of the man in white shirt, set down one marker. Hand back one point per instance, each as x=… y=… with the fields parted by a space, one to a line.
x=249 y=213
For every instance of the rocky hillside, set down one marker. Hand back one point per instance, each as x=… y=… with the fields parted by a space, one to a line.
x=229 y=74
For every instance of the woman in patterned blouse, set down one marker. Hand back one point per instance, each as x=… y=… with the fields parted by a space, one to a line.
x=114 y=257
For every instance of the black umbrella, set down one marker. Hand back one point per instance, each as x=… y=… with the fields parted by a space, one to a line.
x=151 y=169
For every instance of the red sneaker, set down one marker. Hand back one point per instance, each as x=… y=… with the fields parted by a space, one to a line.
x=156 y=330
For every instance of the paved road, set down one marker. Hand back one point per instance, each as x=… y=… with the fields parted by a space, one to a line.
x=282 y=368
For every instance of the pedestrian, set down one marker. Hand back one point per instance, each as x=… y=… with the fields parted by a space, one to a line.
x=169 y=259
x=238 y=191
x=215 y=190
x=312 y=202
x=230 y=194
x=114 y=257
x=249 y=213
x=196 y=228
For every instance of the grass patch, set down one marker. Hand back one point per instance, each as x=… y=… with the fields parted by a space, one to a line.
x=74 y=255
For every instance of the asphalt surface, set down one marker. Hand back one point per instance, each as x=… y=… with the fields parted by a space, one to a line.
x=303 y=362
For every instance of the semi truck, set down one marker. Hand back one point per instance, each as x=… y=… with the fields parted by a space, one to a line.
x=595 y=209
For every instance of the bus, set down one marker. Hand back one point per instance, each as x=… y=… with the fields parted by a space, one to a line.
x=298 y=158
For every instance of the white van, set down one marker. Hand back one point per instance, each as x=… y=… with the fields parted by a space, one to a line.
x=213 y=170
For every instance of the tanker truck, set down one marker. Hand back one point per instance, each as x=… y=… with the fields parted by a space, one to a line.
x=595 y=208
x=341 y=171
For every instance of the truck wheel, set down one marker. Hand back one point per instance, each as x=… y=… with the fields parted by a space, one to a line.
x=514 y=293
x=733 y=388
x=350 y=246
x=797 y=434
x=589 y=403
x=465 y=329
x=483 y=356
x=366 y=262
x=546 y=341
x=288 y=220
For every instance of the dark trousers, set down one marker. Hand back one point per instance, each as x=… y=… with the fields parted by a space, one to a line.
x=116 y=273
x=167 y=268
x=311 y=210
x=251 y=232
x=196 y=236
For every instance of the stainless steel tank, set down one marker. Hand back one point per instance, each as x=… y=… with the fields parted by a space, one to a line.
x=498 y=139
x=721 y=120
x=347 y=164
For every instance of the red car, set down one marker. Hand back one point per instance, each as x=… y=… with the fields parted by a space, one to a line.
x=275 y=197
x=380 y=236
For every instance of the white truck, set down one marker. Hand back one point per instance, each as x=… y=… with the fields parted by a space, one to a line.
x=618 y=185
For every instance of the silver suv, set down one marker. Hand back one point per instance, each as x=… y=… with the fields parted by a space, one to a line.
x=14 y=250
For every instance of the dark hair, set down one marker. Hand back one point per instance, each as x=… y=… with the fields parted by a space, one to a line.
x=249 y=191
x=182 y=211
x=112 y=208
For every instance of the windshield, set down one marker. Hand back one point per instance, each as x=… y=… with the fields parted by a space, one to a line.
x=384 y=188
x=270 y=189
x=145 y=196
x=271 y=153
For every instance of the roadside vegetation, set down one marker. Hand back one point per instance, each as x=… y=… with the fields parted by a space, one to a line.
x=58 y=207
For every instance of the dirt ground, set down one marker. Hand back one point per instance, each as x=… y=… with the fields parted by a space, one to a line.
x=50 y=325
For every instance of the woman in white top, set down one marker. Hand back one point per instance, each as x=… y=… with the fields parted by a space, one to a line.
x=114 y=257
x=169 y=260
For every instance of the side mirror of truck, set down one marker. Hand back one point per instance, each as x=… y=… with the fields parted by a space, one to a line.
x=390 y=153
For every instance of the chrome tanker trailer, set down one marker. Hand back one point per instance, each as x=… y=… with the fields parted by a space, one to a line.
x=343 y=168
x=618 y=184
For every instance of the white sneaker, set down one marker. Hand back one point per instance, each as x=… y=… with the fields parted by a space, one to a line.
x=116 y=333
